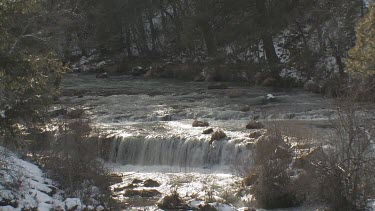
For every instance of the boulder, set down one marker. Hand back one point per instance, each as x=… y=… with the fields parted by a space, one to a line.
x=151 y=183
x=208 y=131
x=136 y=181
x=254 y=125
x=218 y=135
x=197 y=123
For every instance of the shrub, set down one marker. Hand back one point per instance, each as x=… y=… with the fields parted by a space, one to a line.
x=172 y=201
x=274 y=186
x=344 y=173
x=73 y=162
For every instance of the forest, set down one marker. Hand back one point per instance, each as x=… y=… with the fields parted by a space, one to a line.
x=187 y=105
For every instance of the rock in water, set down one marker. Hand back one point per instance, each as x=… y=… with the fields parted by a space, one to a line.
x=208 y=131
x=151 y=183
x=197 y=123
x=218 y=135
x=137 y=181
x=254 y=125
x=255 y=134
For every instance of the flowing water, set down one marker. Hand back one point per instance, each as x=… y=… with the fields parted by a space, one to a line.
x=151 y=121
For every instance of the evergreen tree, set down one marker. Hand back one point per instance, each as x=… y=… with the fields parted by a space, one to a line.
x=361 y=59
x=29 y=70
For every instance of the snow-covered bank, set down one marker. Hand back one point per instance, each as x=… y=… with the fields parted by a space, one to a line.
x=24 y=186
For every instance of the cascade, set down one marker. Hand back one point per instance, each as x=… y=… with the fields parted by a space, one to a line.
x=177 y=151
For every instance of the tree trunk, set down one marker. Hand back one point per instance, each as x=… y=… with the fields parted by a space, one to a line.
x=269 y=48
x=128 y=42
x=208 y=38
x=153 y=32
x=272 y=58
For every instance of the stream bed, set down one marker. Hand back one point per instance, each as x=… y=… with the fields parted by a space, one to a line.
x=153 y=138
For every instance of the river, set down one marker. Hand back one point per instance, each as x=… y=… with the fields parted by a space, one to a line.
x=153 y=138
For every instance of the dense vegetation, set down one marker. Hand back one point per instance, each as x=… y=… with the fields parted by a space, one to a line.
x=328 y=45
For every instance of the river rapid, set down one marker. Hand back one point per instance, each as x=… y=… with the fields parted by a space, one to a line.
x=153 y=138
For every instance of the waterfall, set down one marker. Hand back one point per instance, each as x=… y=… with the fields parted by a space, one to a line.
x=177 y=151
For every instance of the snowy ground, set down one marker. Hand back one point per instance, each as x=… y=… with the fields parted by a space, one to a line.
x=24 y=186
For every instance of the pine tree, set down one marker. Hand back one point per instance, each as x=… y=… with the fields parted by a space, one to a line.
x=361 y=58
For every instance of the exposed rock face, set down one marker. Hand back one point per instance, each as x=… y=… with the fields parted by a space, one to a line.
x=218 y=135
x=255 y=125
x=151 y=183
x=197 y=123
